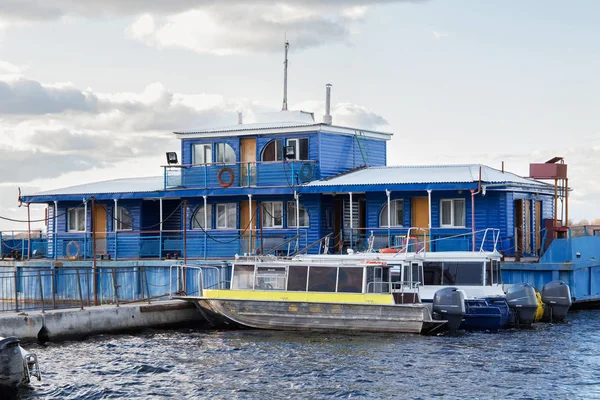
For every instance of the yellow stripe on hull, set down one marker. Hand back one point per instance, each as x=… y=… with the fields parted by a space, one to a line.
x=308 y=297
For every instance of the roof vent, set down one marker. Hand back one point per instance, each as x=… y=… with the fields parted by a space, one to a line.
x=327 y=117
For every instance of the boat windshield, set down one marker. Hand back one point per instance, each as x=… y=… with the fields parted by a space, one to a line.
x=492 y=272
x=453 y=273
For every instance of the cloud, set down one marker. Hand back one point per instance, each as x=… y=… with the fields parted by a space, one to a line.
x=439 y=35
x=345 y=114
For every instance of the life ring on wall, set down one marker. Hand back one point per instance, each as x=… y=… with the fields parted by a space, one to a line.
x=306 y=173
x=220 y=177
x=388 y=250
x=73 y=245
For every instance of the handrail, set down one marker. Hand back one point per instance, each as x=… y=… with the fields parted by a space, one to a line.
x=274 y=249
x=311 y=245
x=237 y=163
x=494 y=238
x=181 y=268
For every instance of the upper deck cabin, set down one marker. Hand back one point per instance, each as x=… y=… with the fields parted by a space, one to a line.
x=282 y=150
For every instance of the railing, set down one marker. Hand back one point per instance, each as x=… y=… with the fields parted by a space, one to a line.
x=187 y=287
x=24 y=289
x=241 y=174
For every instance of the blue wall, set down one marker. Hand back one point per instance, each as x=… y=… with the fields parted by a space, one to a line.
x=339 y=153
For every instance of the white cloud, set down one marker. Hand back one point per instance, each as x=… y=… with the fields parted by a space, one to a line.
x=439 y=35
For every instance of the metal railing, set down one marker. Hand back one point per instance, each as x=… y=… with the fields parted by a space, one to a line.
x=187 y=287
x=25 y=289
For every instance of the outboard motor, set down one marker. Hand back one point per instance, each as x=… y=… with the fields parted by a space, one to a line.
x=522 y=300
x=11 y=363
x=557 y=297
x=449 y=304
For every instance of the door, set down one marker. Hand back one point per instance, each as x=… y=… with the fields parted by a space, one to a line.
x=518 y=226
x=420 y=218
x=247 y=228
x=99 y=224
x=248 y=161
x=527 y=229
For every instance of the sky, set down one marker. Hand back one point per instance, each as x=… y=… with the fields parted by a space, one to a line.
x=92 y=91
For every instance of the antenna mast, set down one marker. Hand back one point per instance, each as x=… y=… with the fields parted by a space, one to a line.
x=285 y=66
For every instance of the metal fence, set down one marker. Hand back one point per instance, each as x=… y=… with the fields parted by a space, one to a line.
x=25 y=289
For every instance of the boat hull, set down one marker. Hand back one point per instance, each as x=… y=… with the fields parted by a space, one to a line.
x=12 y=370
x=304 y=316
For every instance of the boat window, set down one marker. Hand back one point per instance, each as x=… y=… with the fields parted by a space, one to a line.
x=272 y=216
x=396 y=214
x=226 y=216
x=270 y=278
x=300 y=146
x=272 y=151
x=198 y=217
x=297 y=278
x=417 y=276
x=225 y=153
x=76 y=219
x=322 y=279
x=202 y=153
x=492 y=272
x=124 y=221
x=432 y=273
x=291 y=215
x=453 y=213
x=350 y=280
x=242 y=277
x=462 y=273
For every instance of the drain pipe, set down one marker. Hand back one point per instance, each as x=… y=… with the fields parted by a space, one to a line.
x=206 y=224
x=351 y=221
x=429 y=225
x=389 y=214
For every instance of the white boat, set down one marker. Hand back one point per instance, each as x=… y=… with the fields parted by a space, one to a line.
x=17 y=366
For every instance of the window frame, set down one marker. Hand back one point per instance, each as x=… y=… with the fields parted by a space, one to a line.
x=269 y=213
x=297 y=141
x=452 y=217
x=207 y=150
x=119 y=221
x=78 y=211
x=221 y=150
x=278 y=151
x=292 y=204
x=200 y=209
x=227 y=207
x=383 y=213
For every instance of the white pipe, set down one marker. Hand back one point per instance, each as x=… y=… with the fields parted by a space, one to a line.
x=351 y=216
x=297 y=197
x=55 y=214
x=85 y=210
x=429 y=205
x=160 y=206
x=389 y=208
x=250 y=212
x=115 y=216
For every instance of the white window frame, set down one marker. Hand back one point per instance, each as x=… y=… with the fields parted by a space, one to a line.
x=78 y=213
x=199 y=211
x=297 y=141
x=269 y=214
x=206 y=153
x=221 y=150
x=452 y=220
x=278 y=143
x=291 y=222
x=226 y=208
x=119 y=221
x=384 y=213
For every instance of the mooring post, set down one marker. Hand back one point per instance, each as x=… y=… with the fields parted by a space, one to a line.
x=41 y=288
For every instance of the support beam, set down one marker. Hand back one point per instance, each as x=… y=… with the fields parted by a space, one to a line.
x=351 y=221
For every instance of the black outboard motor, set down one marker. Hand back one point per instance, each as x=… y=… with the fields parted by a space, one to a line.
x=557 y=297
x=522 y=300
x=449 y=304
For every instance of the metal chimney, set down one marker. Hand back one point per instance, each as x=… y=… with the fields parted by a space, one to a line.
x=285 y=67
x=240 y=120
x=327 y=117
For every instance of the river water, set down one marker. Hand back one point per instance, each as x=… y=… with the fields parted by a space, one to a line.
x=551 y=361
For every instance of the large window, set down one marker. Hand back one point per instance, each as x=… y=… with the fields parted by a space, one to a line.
x=202 y=153
x=300 y=146
x=226 y=216
x=272 y=214
x=124 y=221
x=76 y=218
x=396 y=214
x=452 y=213
x=291 y=215
x=224 y=153
x=198 y=218
x=272 y=151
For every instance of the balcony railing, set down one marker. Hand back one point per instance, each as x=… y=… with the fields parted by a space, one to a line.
x=241 y=174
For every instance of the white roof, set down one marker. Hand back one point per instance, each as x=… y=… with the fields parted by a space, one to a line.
x=125 y=185
x=407 y=174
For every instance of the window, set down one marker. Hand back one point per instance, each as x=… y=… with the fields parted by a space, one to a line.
x=124 y=221
x=272 y=216
x=300 y=146
x=224 y=153
x=291 y=215
x=396 y=214
x=198 y=218
x=350 y=280
x=272 y=151
x=243 y=276
x=322 y=279
x=463 y=273
x=226 y=216
x=297 y=278
x=202 y=153
x=76 y=219
x=452 y=213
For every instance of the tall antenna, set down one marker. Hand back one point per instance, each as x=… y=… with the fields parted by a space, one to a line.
x=285 y=66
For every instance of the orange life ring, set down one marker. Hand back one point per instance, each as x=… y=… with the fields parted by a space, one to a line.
x=371 y=262
x=220 y=176
x=389 y=251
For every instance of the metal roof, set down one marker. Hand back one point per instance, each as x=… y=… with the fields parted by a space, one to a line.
x=125 y=185
x=418 y=174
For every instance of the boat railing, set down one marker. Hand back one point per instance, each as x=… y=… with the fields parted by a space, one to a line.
x=495 y=233
x=186 y=286
x=322 y=242
x=285 y=243
x=393 y=287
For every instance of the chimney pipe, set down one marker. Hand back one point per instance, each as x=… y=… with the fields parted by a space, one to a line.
x=240 y=120
x=284 y=107
x=327 y=117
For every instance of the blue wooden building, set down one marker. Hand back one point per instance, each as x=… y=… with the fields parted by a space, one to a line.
x=284 y=185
